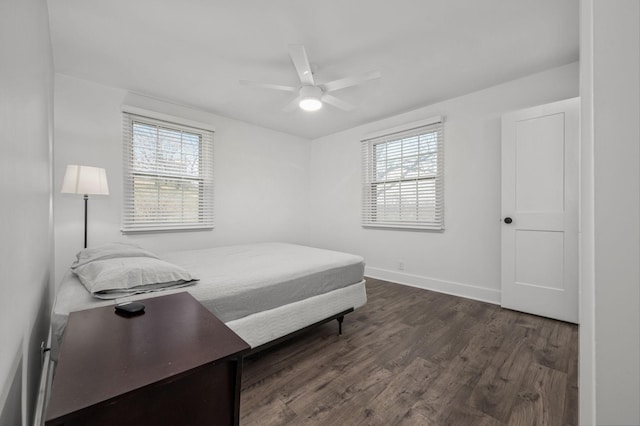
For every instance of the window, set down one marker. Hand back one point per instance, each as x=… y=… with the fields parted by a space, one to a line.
x=403 y=177
x=168 y=176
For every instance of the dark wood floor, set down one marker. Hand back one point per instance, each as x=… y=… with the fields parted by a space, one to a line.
x=416 y=357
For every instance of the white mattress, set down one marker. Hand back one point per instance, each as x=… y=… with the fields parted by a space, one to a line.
x=240 y=281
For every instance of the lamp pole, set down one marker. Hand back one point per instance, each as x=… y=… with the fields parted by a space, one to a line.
x=86 y=198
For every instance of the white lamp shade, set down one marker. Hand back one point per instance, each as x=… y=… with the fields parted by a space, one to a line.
x=85 y=180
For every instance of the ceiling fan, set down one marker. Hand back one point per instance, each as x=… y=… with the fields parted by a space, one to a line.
x=309 y=95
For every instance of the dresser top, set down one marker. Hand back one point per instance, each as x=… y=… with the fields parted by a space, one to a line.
x=104 y=355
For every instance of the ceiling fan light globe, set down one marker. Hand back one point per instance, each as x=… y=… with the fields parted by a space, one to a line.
x=310 y=104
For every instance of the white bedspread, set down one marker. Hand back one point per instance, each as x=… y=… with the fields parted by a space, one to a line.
x=241 y=280
x=237 y=281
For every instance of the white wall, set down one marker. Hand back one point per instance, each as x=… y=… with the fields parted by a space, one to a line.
x=465 y=258
x=26 y=96
x=586 y=351
x=261 y=176
x=610 y=341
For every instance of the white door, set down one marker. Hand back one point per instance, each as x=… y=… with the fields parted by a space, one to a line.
x=540 y=151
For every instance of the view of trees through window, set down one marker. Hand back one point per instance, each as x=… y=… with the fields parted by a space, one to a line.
x=167 y=183
x=403 y=177
x=404 y=185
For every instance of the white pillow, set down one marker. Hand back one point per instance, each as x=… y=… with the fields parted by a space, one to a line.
x=118 y=270
x=110 y=251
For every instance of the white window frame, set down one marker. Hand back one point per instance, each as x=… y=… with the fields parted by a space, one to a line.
x=131 y=222
x=423 y=207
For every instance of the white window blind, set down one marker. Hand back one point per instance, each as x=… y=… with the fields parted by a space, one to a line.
x=168 y=176
x=403 y=177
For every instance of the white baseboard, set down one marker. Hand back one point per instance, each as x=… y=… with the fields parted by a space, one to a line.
x=46 y=377
x=448 y=287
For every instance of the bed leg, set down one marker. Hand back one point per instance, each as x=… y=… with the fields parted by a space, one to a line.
x=340 y=319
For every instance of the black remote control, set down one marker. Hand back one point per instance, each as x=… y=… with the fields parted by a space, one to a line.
x=130 y=309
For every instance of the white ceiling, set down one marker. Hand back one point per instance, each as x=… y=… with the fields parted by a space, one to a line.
x=193 y=52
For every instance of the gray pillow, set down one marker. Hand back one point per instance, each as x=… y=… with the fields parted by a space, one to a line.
x=118 y=270
x=110 y=251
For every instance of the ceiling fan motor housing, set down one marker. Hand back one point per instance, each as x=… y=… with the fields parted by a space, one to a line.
x=310 y=98
x=310 y=92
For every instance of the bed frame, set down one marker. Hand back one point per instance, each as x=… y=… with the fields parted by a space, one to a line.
x=339 y=317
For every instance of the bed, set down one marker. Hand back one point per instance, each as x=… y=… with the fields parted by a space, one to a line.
x=264 y=292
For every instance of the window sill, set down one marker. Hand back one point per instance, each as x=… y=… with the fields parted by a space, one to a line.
x=404 y=227
x=157 y=230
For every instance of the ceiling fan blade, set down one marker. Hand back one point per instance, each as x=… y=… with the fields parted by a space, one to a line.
x=248 y=83
x=301 y=63
x=293 y=105
x=338 y=103
x=332 y=86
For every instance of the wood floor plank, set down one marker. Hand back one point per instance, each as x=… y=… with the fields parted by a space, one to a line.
x=416 y=357
x=460 y=375
x=551 y=349
x=274 y=413
x=497 y=387
x=402 y=391
x=461 y=415
x=540 y=400
x=353 y=400
x=571 y=395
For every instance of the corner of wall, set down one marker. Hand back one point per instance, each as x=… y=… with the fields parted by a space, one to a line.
x=26 y=114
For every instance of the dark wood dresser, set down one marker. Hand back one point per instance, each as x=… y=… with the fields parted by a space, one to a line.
x=176 y=364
